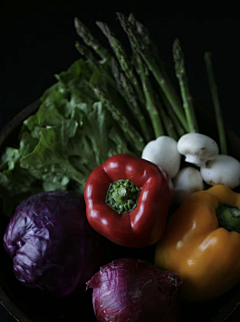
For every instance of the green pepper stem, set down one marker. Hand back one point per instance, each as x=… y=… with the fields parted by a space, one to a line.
x=228 y=217
x=122 y=196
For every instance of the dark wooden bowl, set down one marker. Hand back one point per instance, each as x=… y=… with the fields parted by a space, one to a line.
x=32 y=306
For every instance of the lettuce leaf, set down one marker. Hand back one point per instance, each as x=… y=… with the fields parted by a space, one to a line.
x=71 y=134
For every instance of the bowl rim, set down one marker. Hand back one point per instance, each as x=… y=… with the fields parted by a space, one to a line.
x=17 y=120
x=5 y=301
x=11 y=308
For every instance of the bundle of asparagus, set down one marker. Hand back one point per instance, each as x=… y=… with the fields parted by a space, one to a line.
x=142 y=80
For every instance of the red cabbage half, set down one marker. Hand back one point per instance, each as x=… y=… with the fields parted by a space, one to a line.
x=132 y=290
x=52 y=245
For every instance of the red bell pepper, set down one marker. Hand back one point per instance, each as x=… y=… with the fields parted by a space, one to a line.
x=127 y=200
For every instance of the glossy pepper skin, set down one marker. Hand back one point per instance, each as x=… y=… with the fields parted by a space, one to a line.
x=145 y=224
x=205 y=255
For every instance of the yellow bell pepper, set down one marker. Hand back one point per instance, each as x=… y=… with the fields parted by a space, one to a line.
x=202 y=243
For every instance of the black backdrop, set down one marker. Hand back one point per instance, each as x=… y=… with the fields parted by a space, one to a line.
x=38 y=41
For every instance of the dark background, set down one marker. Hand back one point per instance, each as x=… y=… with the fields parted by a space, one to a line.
x=38 y=41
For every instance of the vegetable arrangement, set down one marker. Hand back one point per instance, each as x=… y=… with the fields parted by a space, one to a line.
x=114 y=130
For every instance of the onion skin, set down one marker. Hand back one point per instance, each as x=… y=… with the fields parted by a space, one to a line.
x=132 y=290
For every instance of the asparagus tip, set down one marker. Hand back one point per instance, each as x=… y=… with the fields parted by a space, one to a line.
x=104 y=28
x=123 y=20
x=120 y=14
x=177 y=50
x=207 y=56
x=131 y=17
x=76 y=22
x=178 y=58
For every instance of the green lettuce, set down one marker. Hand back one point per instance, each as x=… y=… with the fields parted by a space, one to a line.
x=72 y=133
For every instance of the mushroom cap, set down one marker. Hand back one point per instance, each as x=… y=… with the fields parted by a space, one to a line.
x=187 y=181
x=164 y=153
x=223 y=170
x=197 y=148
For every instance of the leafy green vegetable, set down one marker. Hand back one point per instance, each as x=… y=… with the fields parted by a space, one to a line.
x=71 y=133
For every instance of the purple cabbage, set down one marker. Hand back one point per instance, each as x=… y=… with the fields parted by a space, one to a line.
x=132 y=290
x=52 y=245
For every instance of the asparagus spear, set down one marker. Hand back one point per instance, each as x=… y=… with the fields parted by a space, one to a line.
x=216 y=103
x=90 y=40
x=144 y=33
x=130 y=81
x=122 y=57
x=183 y=83
x=168 y=124
x=116 y=74
x=170 y=120
x=132 y=135
x=150 y=100
x=87 y=53
x=128 y=92
x=143 y=45
x=177 y=125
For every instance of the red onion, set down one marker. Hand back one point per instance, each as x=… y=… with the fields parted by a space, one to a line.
x=133 y=290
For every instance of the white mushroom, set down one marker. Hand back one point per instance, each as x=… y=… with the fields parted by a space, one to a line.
x=197 y=148
x=164 y=153
x=223 y=170
x=187 y=181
